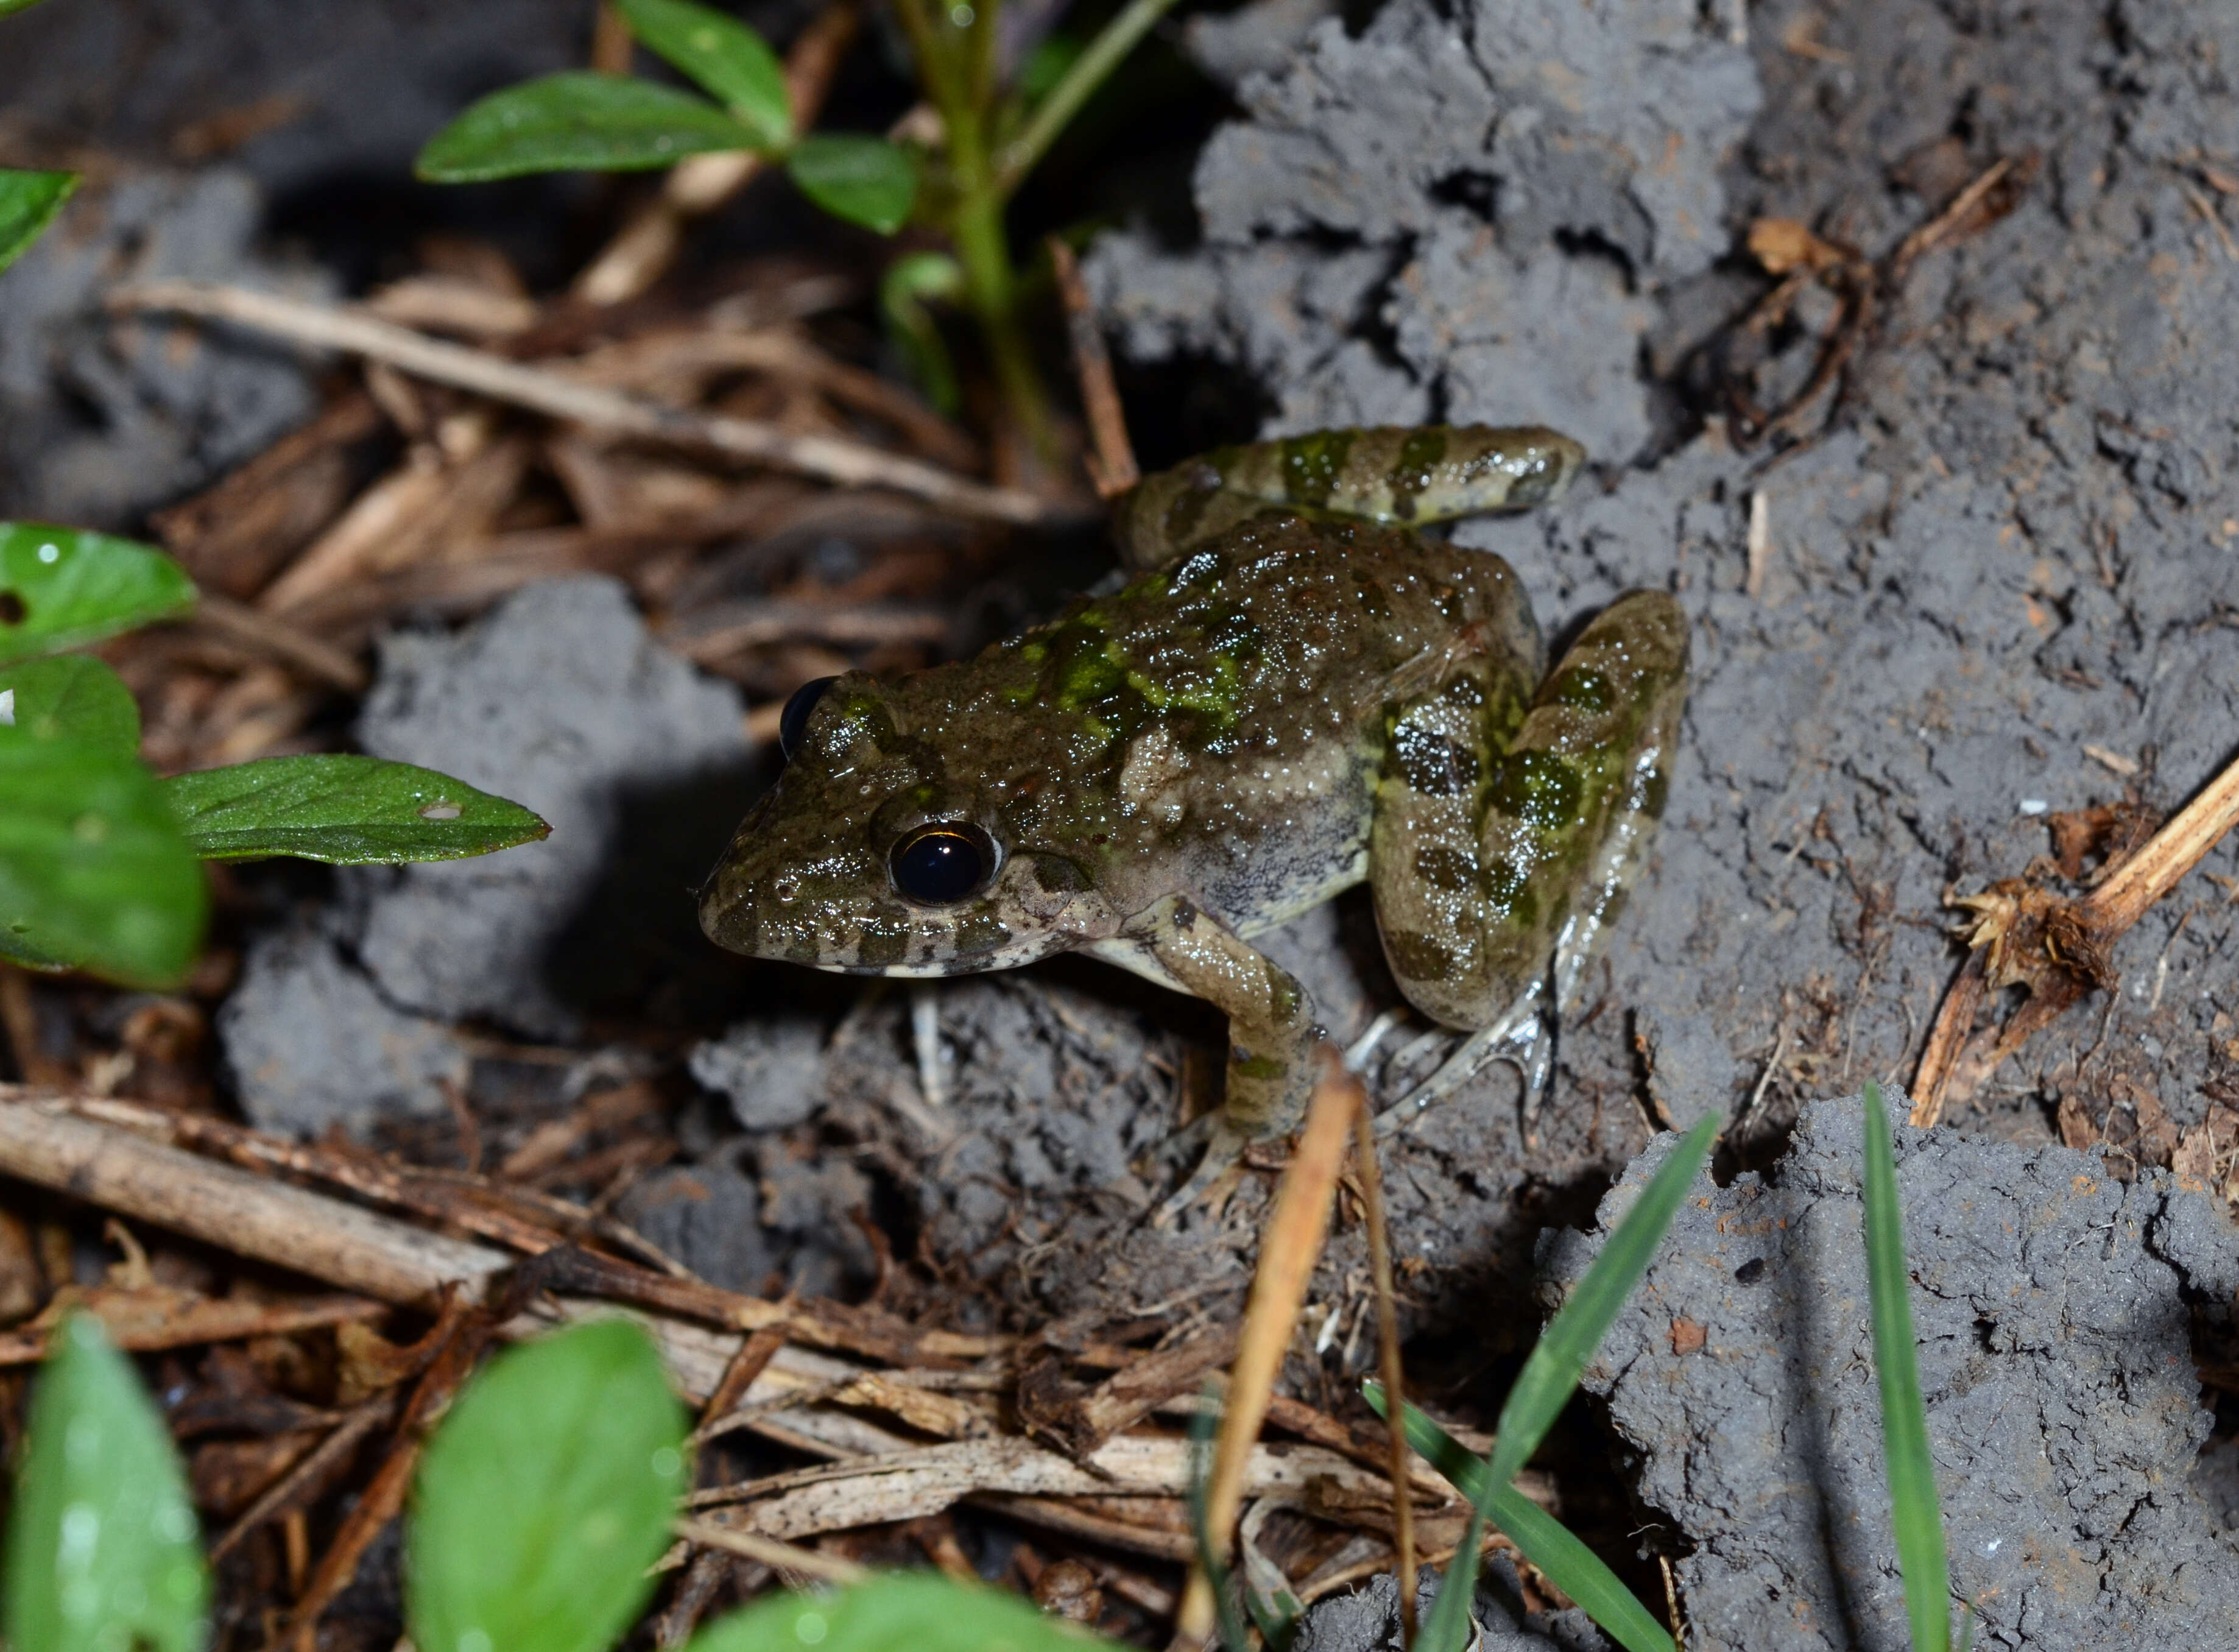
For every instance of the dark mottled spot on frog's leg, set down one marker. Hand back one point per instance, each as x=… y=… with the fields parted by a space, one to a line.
x=1655 y=793
x=1584 y=689
x=1537 y=787
x=1443 y=867
x=1419 y=956
x=1373 y=597
x=1311 y=465
x=1534 y=483
x=1435 y=764
x=1421 y=454
x=1508 y=892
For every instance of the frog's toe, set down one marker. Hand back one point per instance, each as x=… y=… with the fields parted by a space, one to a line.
x=1224 y=1152
x=1528 y=1047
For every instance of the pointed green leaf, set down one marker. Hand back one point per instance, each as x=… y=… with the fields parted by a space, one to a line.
x=345 y=810
x=727 y=58
x=73 y=697
x=29 y=202
x=545 y=1495
x=1569 y=1564
x=8 y=6
x=899 y=1612
x=101 y=1553
x=93 y=870
x=60 y=587
x=578 y=122
x=864 y=180
x=909 y=281
x=1545 y=1385
x=1914 y=1511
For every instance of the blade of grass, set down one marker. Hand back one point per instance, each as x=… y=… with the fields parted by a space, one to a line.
x=1914 y=1511
x=1569 y=1564
x=1551 y=1373
x=1228 y=1627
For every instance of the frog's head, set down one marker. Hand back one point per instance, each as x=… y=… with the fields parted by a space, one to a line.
x=875 y=854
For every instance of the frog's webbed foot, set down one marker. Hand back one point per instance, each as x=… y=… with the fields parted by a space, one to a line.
x=1528 y=1045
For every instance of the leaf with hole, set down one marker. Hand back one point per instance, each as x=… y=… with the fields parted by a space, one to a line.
x=545 y=1495
x=864 y=180
x=729 y=60
x=70 y=696
x=900 y=1612
x=94 y=872
x=578 y=122
x=345 y=810
x=60 y=587
x=29 y=202
x=101 y=1552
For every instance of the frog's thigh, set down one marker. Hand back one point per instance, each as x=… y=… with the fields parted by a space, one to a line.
x=1482 y=887
x=1271 y=1031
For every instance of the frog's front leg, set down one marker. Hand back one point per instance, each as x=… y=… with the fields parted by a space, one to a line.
x=1499 y=861
x=1271 y=1031
x=1399 y=475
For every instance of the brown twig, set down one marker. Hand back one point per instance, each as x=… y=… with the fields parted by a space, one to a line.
x=306 y=1481
x=1288 y=1251
x=648 y=243
x=827 y=458
x=2060 y=949
x=1112 y=467
x=467 y=1330
x=262 y=633
x=778 y=1557
x=1389 y=1368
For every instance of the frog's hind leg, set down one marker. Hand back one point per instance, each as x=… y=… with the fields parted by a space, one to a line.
x=1498 y=864
x=1400 y=475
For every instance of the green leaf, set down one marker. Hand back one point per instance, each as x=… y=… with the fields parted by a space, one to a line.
x=578 y=122
x=1204 y=1421
x=864 y=180
x=29 y=202
x=6 y=6
x=347 y=812
x=101 y=1553
x=60 y=587
x=69 y=696
x=93 y=870
x=1545 y=1386
x=899 y=1612
x=1569 y=1564
x=727 y=58
x=544 y=1496
x=1913 y=1509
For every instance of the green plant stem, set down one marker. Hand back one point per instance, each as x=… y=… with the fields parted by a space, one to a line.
x=957 y=67
x=1113 y=44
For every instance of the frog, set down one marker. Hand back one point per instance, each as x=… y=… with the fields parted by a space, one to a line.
x=1293 y=689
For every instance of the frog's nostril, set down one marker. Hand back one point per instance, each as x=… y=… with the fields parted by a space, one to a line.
x=785 y=889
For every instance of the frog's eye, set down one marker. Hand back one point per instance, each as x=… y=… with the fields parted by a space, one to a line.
x=942 y=864
x=793 y=722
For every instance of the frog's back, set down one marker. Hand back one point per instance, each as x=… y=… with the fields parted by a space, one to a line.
x=1225 y=714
